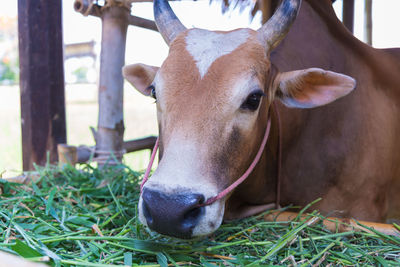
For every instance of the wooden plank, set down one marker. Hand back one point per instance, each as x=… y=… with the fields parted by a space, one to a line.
x=348 y=14
x=41 y=80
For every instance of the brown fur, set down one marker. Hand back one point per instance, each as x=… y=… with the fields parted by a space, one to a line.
x=345 y=152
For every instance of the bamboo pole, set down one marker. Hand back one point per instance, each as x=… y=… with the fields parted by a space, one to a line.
x=115 y=17
x=368 y=22
x=336 y=224
x=110 y=128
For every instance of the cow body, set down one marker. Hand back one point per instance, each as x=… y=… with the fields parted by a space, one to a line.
x=345 y=152
x=214 y=96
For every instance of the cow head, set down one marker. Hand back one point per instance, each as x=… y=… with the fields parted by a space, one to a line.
x=213 y=94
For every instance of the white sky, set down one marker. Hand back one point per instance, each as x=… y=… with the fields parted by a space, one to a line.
x=148 y=47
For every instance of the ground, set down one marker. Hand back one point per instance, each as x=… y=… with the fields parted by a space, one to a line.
x=82 y=110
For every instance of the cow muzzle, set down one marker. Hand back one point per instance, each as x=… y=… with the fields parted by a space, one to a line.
x=172 y=214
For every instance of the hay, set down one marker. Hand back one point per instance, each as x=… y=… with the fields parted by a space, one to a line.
x=88 y=217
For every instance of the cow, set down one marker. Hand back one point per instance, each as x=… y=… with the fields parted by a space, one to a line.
x=217 y=93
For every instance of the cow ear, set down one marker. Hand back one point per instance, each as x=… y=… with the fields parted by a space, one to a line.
x=312 y=87
x=140 y=76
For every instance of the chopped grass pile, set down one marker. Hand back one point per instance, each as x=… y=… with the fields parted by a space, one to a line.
x=88 y=217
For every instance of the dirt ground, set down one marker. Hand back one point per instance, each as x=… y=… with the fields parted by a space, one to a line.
x=82 y=112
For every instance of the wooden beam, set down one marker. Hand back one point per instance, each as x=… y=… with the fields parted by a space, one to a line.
x=140 y=144
x=41 y=80
x=82 y=154
x=85 y=49
x=348 y=14
x=86 y=8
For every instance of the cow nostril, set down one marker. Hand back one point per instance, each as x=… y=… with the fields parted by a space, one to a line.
x=193 y=214
x=147 y=214
x=172 y=214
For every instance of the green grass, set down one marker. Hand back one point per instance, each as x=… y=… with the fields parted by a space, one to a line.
x=88 y=217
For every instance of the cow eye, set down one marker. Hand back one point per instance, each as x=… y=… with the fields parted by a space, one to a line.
x=253 y=101
x=152 y=92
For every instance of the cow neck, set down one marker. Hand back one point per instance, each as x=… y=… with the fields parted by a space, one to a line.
x=279 y=157
x=230 y=188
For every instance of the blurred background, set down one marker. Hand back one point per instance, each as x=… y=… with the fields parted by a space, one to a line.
x=82 y=37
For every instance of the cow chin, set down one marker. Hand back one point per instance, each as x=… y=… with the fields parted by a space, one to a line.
x=175 y=211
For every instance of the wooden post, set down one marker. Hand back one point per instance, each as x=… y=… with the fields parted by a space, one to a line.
x=348 y=14
x=41 y=80
x=368 y=22
x=67 y=155
x=110 y=130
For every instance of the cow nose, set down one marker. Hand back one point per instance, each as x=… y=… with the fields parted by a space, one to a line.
x=172 y=214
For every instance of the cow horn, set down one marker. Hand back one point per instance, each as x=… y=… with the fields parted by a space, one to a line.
x=276 y=28
x=167 y=23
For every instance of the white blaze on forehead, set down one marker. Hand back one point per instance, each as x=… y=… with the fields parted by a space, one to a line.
x=207 y=46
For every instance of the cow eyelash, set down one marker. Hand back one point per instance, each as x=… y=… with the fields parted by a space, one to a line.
x=252 y=102
x=152 y=92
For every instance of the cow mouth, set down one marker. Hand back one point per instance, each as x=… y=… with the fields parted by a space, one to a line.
x=179 y=215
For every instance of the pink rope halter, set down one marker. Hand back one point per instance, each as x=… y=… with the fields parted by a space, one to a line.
x=227 y=190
